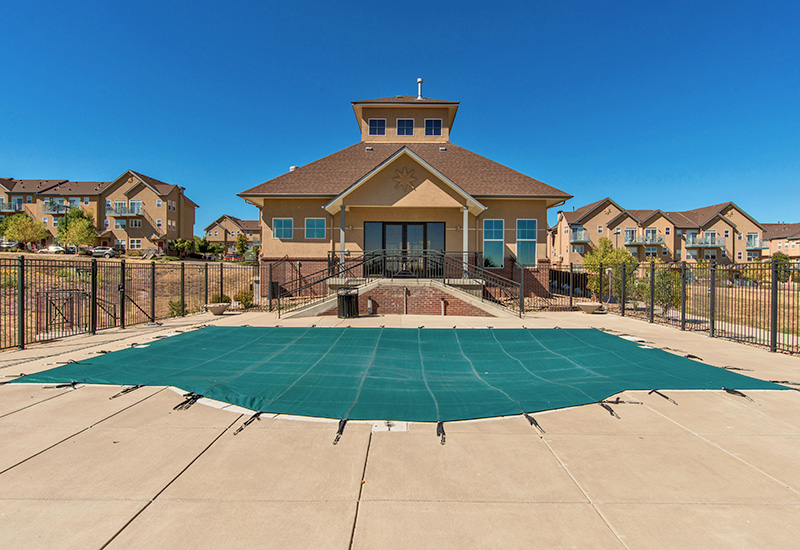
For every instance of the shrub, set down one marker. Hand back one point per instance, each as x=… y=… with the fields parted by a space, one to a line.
x=175 y=308
x=167 y=259
x=245 y=298
x=133 y=253
x=8 y=279
x=220 y=299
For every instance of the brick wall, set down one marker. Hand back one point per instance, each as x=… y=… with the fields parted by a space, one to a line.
x=421 y=300
x=537 y=279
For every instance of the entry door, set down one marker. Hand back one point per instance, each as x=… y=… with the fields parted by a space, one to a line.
x=404 y=244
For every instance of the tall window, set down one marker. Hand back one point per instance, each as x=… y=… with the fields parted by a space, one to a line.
x=136 y=206
x=526 y=242
x=405 y=126
x=377 y=126
x=282 y=228
x=433 y=126
x=315 y=228
x=136 y=244
x=493 y=243
x=119 y=224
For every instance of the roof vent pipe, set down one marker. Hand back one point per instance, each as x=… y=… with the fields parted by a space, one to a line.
x=292 y=168
x=419 y=88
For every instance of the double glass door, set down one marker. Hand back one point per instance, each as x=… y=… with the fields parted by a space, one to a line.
x=406 y=245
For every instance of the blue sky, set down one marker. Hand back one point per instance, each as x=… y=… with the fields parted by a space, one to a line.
x=672 y=105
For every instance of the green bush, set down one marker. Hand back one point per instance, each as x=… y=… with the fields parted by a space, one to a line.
x=133 y=253
x=175 y=308
x=8 y=279
x=168 y=259
x=220 y=299
x=245 y=298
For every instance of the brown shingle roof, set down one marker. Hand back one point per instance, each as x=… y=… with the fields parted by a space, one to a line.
x=8 y=183
x=405 y=99
x=578 y=213
x=34 y=186
x=473 y=173
x=781 y=231
x=246 y=225
x=161 y=187
x=77 y=188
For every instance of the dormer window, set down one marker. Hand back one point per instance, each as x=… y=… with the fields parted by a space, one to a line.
x=377 y=126
x=405 y=126
x=433 y=126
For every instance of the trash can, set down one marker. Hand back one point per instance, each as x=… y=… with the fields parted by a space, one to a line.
x=348 y=303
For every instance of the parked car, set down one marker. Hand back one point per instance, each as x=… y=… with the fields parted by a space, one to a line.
x=104 y=252
x=10 y=245
x=52 y=249
x=232 y=257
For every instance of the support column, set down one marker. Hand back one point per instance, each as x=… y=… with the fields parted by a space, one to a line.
x=341 y=239
x=465 y=238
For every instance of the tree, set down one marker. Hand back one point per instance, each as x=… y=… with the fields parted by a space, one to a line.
x=79 y=232
x=667 y=289
x=74 y=214
x=201 y=244
x=241 y=244
x=784 y=266
x=25 y=229
x=611 y=258
x=216 y=248
x=184 y=246
x=5 y=221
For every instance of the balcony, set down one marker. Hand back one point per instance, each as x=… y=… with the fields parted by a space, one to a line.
x=580 y=236
x=55 y=208
x=756 y=244
x=706 y=241
x=123 y=211
x=645 y=240
x=11 y=207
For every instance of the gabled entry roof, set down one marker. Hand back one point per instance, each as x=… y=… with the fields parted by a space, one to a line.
x=475 y=206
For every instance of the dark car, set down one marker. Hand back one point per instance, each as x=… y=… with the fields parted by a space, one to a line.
x=10 y=245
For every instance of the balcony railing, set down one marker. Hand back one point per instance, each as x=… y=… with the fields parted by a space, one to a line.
x=55 y=208
x=123 y=211
x=706 y=241
x=580 y=236
x=756 y=244
x=10 y=207
x=644 y=239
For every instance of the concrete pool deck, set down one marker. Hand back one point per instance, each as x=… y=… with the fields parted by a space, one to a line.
x=79 y=470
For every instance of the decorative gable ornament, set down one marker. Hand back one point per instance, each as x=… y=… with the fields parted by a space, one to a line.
x=405 y=179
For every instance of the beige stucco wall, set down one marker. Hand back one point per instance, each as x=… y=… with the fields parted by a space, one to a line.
x=391 y=114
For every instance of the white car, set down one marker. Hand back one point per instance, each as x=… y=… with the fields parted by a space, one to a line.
x=52 y=249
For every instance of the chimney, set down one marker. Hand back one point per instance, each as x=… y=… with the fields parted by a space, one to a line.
x=419 y=88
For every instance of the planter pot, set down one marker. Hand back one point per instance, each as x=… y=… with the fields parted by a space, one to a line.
x=218 y=309
x=590 y=307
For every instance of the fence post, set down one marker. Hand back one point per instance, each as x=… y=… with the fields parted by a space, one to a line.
x=521 y=290
x=152 y=292
x=773 y=320
x=683 y=295
x=183 y=289
x=221 y=271
x=21 y=302
x=624 y=282
x=269 y=287
x=571 y=284
x=601 y=282
x=712 y=300
x=93 y=299
x=121 y=289
x=652 y=290
x=205 y=284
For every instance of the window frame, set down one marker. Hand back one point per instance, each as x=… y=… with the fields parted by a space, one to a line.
x=135 y=224
x=535 y=240
x=275 y=231
x=397 y=126
x=369 y=128
x=432 y=132
x=305 y=229
x=502 y=241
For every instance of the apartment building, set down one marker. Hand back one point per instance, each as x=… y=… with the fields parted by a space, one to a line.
x=132 y=212
x=783 y=237
x=226 y=229
x=722 y=232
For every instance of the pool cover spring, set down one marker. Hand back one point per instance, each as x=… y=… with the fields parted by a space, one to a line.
x=399 y=374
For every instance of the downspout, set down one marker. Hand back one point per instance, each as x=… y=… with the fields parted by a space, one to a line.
x=341 y=240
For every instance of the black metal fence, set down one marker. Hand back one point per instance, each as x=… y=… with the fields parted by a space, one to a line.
x=45 y=299
x=753 y=302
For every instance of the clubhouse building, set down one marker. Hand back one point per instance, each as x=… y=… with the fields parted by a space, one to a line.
x=406 y=187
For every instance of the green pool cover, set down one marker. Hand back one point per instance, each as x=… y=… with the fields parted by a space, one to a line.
x=399 y=374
